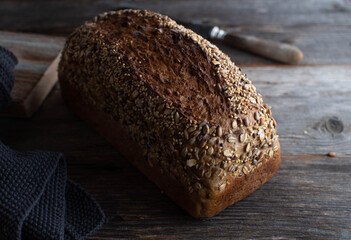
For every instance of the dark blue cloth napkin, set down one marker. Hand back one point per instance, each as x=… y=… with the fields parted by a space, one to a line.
x=37 y=200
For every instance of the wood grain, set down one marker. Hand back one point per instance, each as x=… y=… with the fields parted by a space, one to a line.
x=34 y=78
x=61 y=16
x=321 y=29
x=30 y=90
x=321 y=44
x=308 y=198
x=32 y=49
x=312 y=106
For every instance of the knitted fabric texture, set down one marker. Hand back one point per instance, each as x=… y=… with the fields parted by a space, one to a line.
x=8 y=62
x=37 y=201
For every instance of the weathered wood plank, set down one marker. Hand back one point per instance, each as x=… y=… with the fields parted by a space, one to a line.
x=322 y=44
x=256 y=13
x=33 y=78
x=32 y=49
x=312 y=99
x=325 y=40
x=34 y=53
x=62 y=16
x=312 y=106
x=309 y=197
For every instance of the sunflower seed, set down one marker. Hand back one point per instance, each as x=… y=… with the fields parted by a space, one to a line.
x=270 y=153
x=192 y=140
x=243 y=137
x=167 y=111
x=245 y=170
x=231 y=139
x=268 y=111
x=205 y=129
x=257 y=116
x=231 y=168
x=271 y=124
x=191 y=129
x=210 y=151
x=227 y=152
x=260 y=121
x=240 y=131
x=275 y=146
x=274 y=122
x=202 y=154
x=208 y=174
x=196 y=153
x=184 y=151
x=248 y=146
x=212 y=140
x=135 y=94
x=262 y=136
x=253 y=100
x=198 y=185
x=186 y=134
x=234 y=124
x=256 y=152
x=222 y=187
x=196 y=133
x=224 y=164
x=203 y=143
x=191 y=162
x=246 y=122
x=216 y=62
x=218 y=172
x=212 y=129
x=203 y=123
x=261 y=156
x=219 y=131
x=176 y=117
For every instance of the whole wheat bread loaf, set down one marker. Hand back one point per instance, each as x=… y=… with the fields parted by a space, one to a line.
x=174 y=105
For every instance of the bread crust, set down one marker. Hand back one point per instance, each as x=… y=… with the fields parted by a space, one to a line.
x=207 y=143
x=198 y=207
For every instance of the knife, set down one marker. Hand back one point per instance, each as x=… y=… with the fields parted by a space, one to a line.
x=281 y=52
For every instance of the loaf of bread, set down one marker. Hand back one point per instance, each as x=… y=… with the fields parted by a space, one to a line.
x=174 y=105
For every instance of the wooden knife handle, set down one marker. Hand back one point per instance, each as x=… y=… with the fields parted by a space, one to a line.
x=281 y=52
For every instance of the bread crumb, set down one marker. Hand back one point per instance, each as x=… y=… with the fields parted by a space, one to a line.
x=331 y=154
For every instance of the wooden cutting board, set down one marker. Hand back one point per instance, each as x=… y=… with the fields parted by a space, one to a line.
x=36 y=71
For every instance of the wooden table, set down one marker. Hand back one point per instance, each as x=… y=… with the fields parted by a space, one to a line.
x=309 y=197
